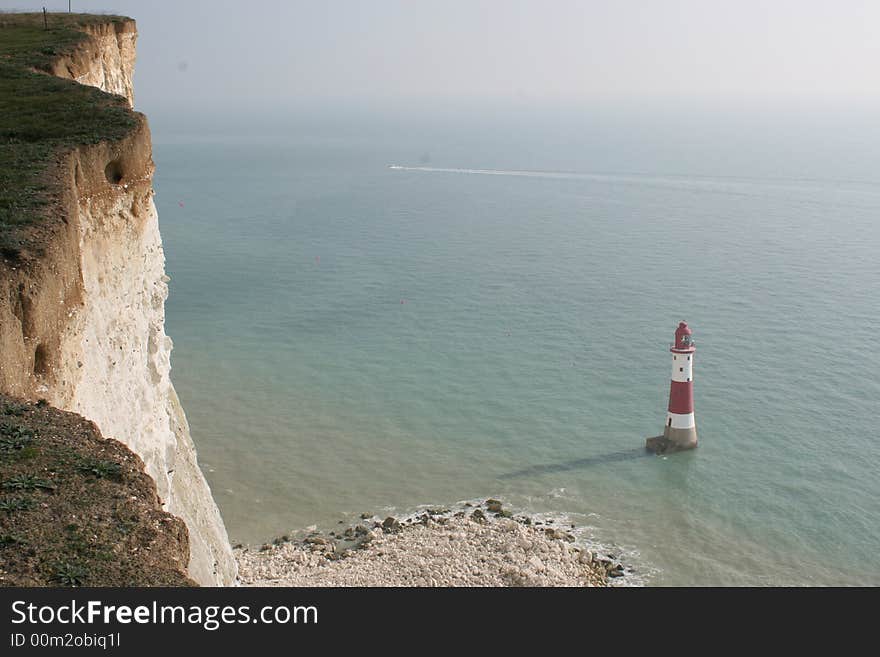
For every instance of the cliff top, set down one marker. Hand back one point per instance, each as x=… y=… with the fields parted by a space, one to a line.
x=77 y=509
x=42 y=115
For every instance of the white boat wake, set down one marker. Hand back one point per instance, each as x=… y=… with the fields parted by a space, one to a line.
x=498 y=172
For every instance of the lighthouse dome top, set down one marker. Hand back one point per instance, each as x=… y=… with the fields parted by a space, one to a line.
x=684 y=341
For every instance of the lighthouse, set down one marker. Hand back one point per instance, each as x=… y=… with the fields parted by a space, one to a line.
x=680 y=430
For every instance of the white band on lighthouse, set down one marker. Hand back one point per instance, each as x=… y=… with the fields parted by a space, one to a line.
x=682 y=367
x=680 y=420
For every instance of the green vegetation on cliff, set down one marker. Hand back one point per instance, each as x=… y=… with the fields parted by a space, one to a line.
x=42 y=115
x=77 y=509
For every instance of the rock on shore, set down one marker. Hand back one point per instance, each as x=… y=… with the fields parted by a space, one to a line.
x=473 y=547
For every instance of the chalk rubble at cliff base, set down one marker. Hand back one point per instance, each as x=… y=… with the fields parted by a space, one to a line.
x=465 y=548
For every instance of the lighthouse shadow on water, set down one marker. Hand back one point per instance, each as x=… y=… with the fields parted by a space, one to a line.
x=577 y=464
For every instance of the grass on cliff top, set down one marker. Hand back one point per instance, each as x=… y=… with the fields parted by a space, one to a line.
x=79 y=510
x=41 y=115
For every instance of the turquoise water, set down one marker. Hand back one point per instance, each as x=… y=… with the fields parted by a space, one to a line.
x=350 y=338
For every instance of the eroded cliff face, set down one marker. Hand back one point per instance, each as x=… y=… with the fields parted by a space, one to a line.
x=83 y=326
x=105 y=60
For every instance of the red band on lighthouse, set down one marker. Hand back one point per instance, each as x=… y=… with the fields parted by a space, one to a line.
x=681 y=397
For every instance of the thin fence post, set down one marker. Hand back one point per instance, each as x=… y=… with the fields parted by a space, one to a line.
x=45 y=21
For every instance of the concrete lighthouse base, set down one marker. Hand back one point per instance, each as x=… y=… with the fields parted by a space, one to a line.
x=672 y=440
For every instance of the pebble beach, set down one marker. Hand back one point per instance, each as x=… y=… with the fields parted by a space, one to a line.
x=477 y=545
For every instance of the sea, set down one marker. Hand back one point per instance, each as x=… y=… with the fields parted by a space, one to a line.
x=377 y=311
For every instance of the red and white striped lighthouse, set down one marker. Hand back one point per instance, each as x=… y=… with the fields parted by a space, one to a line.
x=680 y=431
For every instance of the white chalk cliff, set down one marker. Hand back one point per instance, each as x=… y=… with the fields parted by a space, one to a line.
x=86 y=329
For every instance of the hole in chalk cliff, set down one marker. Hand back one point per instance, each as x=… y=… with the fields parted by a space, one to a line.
x=113 y=171
x=41 y=360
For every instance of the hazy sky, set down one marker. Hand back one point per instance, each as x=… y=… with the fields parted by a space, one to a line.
x=548 y=52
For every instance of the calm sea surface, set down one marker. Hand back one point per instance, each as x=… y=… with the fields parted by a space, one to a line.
x=350 y=338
